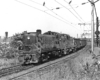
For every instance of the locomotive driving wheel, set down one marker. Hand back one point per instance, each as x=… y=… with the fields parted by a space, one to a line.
x=64 y=52
x=44 y=57
x=59 y=53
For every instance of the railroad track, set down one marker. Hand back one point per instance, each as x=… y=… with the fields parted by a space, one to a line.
x=13 y=69
x=16 y=69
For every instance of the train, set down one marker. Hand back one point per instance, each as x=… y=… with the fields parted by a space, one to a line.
x=35 y=47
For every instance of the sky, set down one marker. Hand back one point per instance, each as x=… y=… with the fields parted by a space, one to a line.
x=17 y=16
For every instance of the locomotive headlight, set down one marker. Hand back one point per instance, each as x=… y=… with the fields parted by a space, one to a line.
x=28 y=37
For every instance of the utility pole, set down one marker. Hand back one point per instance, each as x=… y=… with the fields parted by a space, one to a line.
x=92 y=26
x=97 y=31
x=92 y=23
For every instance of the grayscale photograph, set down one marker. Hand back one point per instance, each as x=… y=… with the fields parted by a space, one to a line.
x=49 y=40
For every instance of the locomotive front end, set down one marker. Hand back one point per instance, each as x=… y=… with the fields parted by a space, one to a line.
x=30 y=50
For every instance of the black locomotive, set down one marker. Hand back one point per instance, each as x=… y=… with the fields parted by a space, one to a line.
x=35 y=47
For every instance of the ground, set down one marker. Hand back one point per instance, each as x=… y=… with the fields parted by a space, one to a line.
x=5 y=63
x=86 y=65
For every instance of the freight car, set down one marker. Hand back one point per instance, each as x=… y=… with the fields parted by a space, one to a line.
x=79 y=43
x=35 y=47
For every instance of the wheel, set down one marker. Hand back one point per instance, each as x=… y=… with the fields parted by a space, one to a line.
x=59 y=53
x=44 y=57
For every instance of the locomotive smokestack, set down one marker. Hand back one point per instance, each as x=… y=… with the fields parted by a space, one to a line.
x=38 y=31
x=6 y=34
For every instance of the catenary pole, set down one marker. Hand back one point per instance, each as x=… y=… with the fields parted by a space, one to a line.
x=92 y=23
x=92 y=26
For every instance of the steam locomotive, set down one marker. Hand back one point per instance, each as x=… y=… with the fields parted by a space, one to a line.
x=35 y=47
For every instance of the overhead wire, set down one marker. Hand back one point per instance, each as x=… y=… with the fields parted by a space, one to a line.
x=75 y=11
x=51 y=11
x=44 y=12
x=68 y=10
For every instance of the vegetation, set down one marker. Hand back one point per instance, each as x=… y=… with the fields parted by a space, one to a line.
x=8 y=53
